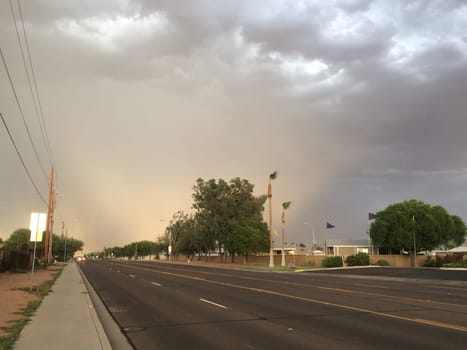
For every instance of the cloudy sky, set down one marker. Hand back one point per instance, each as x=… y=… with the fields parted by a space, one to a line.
x=357 y=104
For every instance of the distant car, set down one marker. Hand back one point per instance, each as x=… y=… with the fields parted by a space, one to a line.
x=81 y=258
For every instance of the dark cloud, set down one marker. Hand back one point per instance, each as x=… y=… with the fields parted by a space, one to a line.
x=357 y=104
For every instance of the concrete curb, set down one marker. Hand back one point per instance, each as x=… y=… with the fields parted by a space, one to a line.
x=108 y=330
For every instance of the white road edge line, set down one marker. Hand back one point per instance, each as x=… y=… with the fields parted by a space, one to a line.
x=132 y=276
x=156 y=284
x=213 y=303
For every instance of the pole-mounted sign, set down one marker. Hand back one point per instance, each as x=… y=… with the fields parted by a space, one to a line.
x=37 y=225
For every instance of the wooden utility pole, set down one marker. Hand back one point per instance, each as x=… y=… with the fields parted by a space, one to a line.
x=50 y=213
x=51 y=236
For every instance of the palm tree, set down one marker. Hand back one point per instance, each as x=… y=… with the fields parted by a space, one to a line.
x=272 y=176
x=285 y=206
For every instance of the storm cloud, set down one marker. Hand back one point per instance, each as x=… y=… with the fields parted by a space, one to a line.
x=357 y=104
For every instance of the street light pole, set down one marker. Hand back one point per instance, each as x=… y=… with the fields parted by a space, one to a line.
x=271 y=257
x=312 y=236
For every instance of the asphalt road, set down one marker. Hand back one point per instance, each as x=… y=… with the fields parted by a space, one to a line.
x=170 y=306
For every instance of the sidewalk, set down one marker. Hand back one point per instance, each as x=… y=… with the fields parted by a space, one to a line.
x=66 y=318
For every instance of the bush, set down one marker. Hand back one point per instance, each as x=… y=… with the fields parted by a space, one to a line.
x=460 y=263
x=359 y=259
x=333 y=261
x=436 y=262
x=382 y=262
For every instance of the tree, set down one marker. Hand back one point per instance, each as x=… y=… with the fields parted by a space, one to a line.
x=459 y=231
x=220 y=205
x=19 y=241
x=403 y=225
x=191 y=241
x=58 y=246
x=174 y=230
x=249 y=237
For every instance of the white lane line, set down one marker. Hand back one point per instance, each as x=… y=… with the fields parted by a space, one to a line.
x=213 y=303
x=132 y=276
x=369 y=285
x=156 y=284
x=440 y=287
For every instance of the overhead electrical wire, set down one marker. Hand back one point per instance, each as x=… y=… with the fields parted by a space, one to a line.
x=44 y=125
x=22 y=114
x=29 y=80
x=22 y=160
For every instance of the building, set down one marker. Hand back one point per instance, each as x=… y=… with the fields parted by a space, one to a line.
x=346 y=247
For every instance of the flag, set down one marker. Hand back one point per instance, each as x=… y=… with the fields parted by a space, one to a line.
x=275 y=232
x=328 y=225
x=371 y=216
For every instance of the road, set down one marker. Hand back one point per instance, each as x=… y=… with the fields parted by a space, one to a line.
x=173 y=306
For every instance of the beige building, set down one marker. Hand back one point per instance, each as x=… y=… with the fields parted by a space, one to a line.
x=346 y=247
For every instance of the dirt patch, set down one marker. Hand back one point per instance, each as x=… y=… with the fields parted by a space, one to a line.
x=15 y=295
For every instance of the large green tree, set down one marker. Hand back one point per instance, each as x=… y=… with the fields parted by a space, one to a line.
x=400 y=224
x=19 y=241
x=249 y=237
x=220 y=205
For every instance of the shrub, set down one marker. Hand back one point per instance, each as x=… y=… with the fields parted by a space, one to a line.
x=460 y=263
x=359 y=259
x=429 y=262
x=333 y=261
x=382 y=262
x=437 y=262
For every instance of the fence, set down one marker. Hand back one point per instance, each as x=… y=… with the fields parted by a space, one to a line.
x=14 y=261
x=312 y=261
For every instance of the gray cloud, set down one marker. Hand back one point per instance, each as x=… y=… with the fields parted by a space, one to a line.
x=357 y=104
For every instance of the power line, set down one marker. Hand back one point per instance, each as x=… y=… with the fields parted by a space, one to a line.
x=29 y=79
x=21 y=159
x=44 y=125
x=22 y=114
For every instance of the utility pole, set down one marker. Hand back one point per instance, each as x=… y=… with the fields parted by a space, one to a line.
x=63 y=230
x=66 y=238
x=51 y=257
x=50 y=214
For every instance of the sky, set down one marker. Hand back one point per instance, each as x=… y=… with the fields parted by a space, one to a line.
x=357 y=104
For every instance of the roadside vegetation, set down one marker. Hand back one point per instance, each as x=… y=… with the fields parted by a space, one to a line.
x=16 y=251
x=333 y=261
x=447 y=261
x=415 y=225
x=359 y=259
x=227 y=221
x=14 y=329
x=227 y=217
